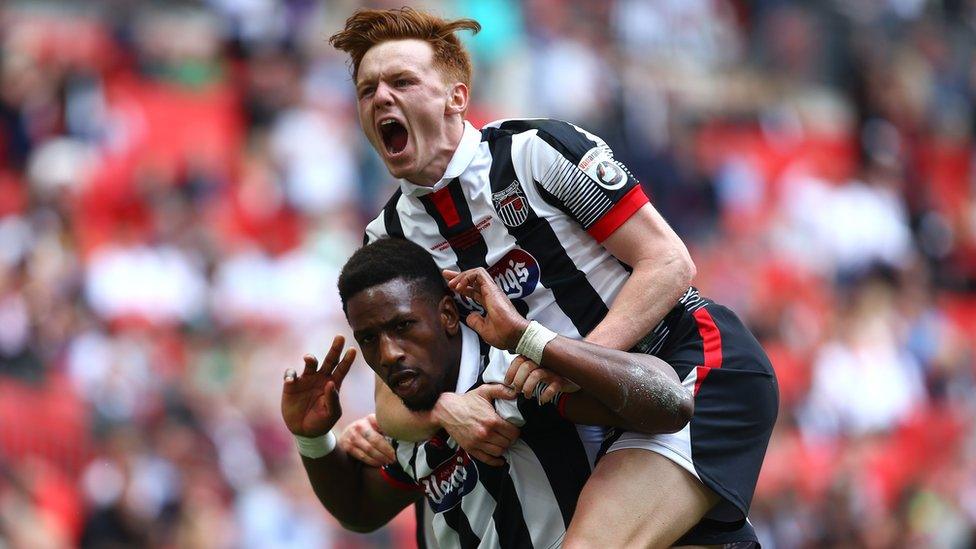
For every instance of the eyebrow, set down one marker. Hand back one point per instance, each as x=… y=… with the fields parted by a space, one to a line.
x=397 y=318
x=364 y=81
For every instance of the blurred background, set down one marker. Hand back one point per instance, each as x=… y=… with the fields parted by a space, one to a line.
x=181 y=181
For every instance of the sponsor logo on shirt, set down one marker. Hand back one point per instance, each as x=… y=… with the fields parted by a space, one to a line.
x=516 y=273
x=598 y=163
x=510 y=205
x=609 y=175
x=589 y=157
x=450 y=482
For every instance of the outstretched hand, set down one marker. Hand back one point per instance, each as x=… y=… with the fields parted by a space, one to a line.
x=501 y=326
x=310 y=402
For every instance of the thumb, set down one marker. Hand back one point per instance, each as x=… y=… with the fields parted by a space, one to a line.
x=475 y=321
x=498 y=391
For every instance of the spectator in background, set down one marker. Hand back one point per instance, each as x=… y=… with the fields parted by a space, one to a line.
x=723 y=104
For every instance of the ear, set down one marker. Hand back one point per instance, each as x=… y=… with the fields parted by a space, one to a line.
x=450 y=318
x=457 y=101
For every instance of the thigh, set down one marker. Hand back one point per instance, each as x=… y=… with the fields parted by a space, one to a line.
x=637 y=498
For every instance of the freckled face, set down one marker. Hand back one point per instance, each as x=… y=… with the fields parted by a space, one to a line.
x=403 y=106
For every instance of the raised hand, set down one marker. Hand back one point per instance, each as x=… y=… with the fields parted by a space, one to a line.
x=502 y=325
x=310 y=402
x=363 y=440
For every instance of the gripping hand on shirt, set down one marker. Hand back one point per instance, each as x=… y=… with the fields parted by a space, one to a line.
x=310 y=401
x=502 y=326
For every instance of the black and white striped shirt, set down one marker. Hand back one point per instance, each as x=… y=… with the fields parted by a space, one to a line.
x=531 y=201
x=526 y=503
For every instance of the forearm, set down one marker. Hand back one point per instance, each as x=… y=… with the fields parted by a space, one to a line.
x=651 y=291
x=582 y=409
x=642 y=390
x=353 y=493
x=397 y=421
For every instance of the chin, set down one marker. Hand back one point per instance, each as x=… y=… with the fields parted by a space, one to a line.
x=421 y=403
x=399 y=171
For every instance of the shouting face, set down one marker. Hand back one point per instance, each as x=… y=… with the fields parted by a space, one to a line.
x=409 y=338
x=409 y=111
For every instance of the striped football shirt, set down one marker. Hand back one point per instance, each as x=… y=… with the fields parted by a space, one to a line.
x=530 y=201
x=526 y=503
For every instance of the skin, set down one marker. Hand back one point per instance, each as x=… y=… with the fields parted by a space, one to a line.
x=356 y=495
x=662 y=271
x=642 y=392
x=363 y=440
x=398 y=79
x=402 y=329
x=400 y=334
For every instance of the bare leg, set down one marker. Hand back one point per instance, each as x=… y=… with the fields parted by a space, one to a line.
x=637 y=498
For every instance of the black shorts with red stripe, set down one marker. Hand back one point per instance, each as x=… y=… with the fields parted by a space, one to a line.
x=736 y=403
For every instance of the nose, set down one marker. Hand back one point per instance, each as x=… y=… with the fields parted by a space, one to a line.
x=383 y=94
x=391 y=353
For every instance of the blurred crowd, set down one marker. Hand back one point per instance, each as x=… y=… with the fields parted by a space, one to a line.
x=181 y=181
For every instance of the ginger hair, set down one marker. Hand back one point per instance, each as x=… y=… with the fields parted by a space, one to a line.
x=367 y=28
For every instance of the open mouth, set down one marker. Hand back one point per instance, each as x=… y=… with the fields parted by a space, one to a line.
x=394 y=136
x=402 y=382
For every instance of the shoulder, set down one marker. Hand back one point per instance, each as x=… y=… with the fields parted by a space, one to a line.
x=547 y=136
x=386 y=222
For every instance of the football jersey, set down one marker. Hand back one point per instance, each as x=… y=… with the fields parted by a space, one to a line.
x=529 y=501
x=530 y=201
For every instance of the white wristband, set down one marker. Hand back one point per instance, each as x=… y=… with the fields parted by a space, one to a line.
x=534 y=340
x=316 y=447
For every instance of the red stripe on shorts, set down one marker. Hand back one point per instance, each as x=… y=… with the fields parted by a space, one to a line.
x=445 y=206
x=711 y=345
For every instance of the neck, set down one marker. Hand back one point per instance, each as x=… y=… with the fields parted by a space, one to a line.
x=454 y=355
x=443 y=153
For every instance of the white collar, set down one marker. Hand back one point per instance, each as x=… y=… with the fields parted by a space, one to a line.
x=463 y=155
x=470 y=367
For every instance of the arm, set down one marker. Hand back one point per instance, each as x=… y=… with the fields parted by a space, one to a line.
x=357 y=496
x=662 y=272
x=642 y=390
x=470 y=419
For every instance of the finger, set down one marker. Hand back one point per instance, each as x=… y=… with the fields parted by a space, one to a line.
x=290 y=375
x=475 y=321
x=506 y=430
x=371 y=450
x=360 y=455
x=311 y=365
x=532 y=381
x=523 y=373
x=371 y=418
x=513 y=369
x=342 y=368
x=498 y=440
x=467 y=284
x=338 y=342
x=449 y=275
x=495 y=391
x=550 y=392
x=486 y=459
x=384 y=448
x=491 y=449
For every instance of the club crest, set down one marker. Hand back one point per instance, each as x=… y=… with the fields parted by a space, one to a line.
x=511 y=205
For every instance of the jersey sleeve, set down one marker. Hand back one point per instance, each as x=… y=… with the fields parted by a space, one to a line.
x=576 y=172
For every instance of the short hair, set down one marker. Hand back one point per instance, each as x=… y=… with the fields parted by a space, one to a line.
x=367 y=28
x=389 y=259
